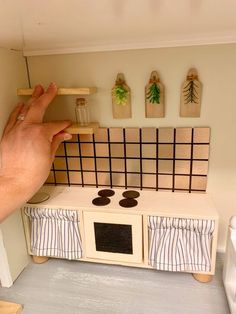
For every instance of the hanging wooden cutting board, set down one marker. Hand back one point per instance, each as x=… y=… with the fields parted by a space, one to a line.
x=121 y=98
x=154 y=97
x=191 y=94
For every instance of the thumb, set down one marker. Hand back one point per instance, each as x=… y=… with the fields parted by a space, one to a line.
x=57 y=140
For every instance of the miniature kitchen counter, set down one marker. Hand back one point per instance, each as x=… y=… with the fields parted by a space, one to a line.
x=165 y=231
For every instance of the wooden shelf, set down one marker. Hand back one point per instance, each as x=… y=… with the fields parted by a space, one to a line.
x=61 y=91
x=78 y=129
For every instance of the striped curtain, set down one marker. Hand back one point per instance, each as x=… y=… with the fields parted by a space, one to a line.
x=177 y=244
x=55 y=232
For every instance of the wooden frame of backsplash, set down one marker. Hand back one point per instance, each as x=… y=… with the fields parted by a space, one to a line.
x=173 y=159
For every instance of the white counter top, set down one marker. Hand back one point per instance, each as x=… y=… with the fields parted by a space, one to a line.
x=186 y=205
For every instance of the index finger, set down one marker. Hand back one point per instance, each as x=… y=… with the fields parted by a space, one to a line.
x=38 y=107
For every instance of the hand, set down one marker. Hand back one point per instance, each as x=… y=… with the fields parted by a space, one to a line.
x=28 y=145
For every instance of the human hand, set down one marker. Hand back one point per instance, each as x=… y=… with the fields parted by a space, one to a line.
x=28 y=145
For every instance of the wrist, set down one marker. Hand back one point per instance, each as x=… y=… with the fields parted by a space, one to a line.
x=11 y=196
x=18 y=184
x=11 y=184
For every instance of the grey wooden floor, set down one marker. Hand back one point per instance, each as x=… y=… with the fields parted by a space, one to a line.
x=69 y=287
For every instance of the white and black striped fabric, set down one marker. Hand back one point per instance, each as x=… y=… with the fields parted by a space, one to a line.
x=177 y=244
x=55 y=232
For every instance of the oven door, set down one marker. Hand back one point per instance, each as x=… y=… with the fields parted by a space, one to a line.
x=115 y=237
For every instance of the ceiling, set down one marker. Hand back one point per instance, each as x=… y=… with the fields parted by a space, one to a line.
x=67 y=26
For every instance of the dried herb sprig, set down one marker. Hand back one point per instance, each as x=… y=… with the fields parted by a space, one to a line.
x=190 y=92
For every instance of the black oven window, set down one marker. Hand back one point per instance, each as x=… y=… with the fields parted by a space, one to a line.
x=115 y=238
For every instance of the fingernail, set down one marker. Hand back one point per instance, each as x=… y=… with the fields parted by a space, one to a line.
x=52 y=84
x=67 y=137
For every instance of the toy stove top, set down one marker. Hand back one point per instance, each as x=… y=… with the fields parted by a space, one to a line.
x=105 y=195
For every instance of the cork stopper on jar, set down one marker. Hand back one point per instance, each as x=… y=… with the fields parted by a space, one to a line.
x=81 y=101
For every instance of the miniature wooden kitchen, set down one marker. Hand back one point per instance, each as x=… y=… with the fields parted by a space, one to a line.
x=128 y=196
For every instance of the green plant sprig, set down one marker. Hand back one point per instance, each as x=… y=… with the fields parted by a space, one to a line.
x=121 y=94
x=154 y=94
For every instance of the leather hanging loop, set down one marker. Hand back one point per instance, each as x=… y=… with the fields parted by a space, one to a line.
x=154 y=78
x=120 y=79
x=192 y=75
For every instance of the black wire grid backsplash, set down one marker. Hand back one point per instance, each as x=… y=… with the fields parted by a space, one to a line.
x=174 y=159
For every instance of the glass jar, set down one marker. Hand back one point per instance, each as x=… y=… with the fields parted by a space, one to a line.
x=82 y=112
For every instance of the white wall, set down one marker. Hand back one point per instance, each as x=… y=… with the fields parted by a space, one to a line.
x=12 y=75
x=216 y=65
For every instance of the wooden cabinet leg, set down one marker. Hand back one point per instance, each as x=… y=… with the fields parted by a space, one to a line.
x=202 y=278
x=40 y=259
x=8 y=307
